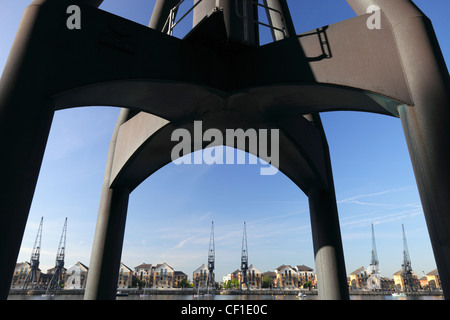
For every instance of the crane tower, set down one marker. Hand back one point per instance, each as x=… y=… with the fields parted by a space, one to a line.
x=374 y=280
x=32 y=278
x=407 y=276
x=211 y=257
x=244 y=260
x=57 y=278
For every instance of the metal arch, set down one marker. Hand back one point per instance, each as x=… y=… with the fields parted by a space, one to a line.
x=417 y=93
x=303 y=164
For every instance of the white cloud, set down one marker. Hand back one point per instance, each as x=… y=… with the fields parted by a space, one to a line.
x=183 y=242
x=368 y=195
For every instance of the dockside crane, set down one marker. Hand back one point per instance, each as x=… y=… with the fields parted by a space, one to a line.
x=32 y=278
x=244 y=260
x=374 y=280
x=374 y=260
x=407 y=276
x=211 y=258
x=57 y=278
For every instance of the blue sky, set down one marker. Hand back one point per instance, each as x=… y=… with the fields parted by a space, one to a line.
x=170 y=214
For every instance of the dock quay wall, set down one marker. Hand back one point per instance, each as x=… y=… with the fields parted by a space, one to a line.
x=190 y=291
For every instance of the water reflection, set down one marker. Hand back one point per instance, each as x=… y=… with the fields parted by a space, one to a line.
x=224 y=297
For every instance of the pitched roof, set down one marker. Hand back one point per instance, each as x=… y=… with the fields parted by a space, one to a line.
x=144 y=266
x=125 y=266
x=304 y=268
x=54 y=269
x=83 y=265
x=79 y=264
x=282 y=267
x=252 y=267
x=435 y=272
x=400 y=272
x=359 y=270
x=22 y=263
x=161 y=264
x=202 y=267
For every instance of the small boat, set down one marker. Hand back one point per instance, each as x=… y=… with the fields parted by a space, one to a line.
x=301 y=295
x=145 y=295
x=198 y=295
x=399 y=294
x=47 y=294
x=121 y=294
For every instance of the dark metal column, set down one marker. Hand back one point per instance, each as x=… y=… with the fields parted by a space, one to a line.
x=25 y=120
x=107 y=248
x=427 y=130
x=279 y=17
x=110 y=228
x=326 y=231
x=427 y=139
x=160 y=14
x=240 y=18
x=426 y=122
x=109 y=231
x=328 y=252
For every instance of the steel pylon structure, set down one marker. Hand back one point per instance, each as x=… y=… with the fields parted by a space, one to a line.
x=244 y=260
x=374 y=279
x=211 y=258
x=407 y=276
x=31 y=280
x=58 y=277
x=71 y=53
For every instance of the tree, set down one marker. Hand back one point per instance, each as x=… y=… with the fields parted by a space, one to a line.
x=267 y=282
x=307 y=285
x=137 y=283
x=184 y=283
